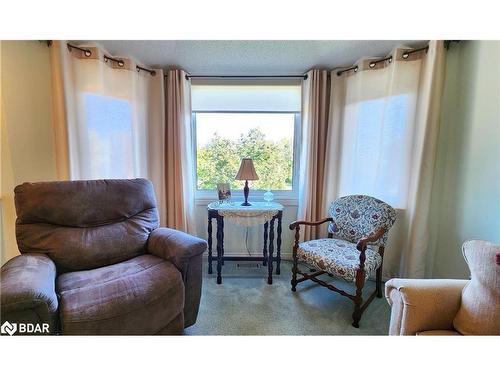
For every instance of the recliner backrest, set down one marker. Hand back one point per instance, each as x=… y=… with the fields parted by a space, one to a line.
x=85 y=224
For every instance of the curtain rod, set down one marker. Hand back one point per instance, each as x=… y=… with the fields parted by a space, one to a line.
x=87 y=52
x=408 y=53
x=303 y=76
x=373 y=63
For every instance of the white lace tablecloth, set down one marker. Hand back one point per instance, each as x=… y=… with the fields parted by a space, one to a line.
x=256 y=214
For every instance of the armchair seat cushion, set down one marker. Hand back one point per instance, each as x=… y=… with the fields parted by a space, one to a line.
x=338 y=257
x=138 y=296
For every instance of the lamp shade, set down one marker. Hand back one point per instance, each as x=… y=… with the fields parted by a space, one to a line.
x=247 y=170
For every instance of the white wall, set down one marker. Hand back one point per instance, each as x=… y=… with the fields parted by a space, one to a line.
x=27 y=145
x=466 y=195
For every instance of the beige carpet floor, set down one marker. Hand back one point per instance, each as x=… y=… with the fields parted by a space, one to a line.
x=244 y=304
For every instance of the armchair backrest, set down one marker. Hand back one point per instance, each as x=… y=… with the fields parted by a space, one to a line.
x=85 y=224
x=357 y=216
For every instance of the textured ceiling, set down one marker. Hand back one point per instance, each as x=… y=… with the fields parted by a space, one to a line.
x=250 y=56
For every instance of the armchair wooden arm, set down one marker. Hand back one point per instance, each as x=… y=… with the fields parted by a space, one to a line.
x=362 y=243
x=296 y=226
x=297 y=223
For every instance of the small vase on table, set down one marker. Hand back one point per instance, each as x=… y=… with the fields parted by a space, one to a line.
x=268 y=196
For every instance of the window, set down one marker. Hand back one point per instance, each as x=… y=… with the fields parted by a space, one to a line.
x=258 y=121
x=224 y=138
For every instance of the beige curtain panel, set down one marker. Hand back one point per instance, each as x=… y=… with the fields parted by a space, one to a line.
x=108 y=117
x=383 y=127
x=179 y=150
x=315 y=102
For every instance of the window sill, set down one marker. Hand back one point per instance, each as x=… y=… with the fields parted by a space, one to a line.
x=287 y=199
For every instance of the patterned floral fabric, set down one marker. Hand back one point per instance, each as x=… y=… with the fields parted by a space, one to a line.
x=357 y=216
x=338 y=257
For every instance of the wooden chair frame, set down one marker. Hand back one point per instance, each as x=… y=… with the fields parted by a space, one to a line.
x=359 y=306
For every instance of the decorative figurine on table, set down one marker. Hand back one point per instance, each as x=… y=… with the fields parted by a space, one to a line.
x=246 y=172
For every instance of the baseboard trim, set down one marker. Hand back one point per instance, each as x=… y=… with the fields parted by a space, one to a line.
x=284 y=256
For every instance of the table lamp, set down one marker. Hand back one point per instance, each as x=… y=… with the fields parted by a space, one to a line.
x=246 y=172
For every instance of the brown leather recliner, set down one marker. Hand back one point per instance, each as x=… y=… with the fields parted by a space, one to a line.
x=95 y=262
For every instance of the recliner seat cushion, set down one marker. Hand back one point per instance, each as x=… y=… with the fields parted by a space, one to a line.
x=138 y=296
x=338 y=257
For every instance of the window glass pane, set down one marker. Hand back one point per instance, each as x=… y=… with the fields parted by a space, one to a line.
x=109 y=127
x=223 y=139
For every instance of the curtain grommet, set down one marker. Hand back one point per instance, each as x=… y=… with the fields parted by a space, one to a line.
x=372 y=64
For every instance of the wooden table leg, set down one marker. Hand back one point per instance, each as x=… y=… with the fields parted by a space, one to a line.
x=209 y=240
x=264 y=251
x=220 y=239
x=271 y=250
x=278 y=244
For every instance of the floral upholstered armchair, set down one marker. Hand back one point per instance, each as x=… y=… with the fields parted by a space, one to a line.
x=354 y=250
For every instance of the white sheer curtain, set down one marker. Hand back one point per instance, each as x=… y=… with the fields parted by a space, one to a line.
x=382 y=142
x=108 y=117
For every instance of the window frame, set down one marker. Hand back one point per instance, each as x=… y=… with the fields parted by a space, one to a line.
x=287 y=196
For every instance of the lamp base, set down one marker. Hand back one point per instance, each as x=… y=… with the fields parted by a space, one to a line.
x=246 y=190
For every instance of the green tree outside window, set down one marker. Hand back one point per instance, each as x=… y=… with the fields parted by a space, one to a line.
x=219 y=159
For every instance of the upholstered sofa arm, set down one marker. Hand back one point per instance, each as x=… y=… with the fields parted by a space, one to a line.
x=422 y=304
x=185 y=252
x=28 y=291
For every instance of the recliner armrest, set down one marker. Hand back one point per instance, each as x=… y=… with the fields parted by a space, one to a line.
x=175 y=246
x=423 y=304
x=185 y=252
x=28 y=290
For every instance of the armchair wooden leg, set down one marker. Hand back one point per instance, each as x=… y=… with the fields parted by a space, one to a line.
x=294 y=273
x=295 y=267
x=356 y=315
x=379 y=282
x=358 y=299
